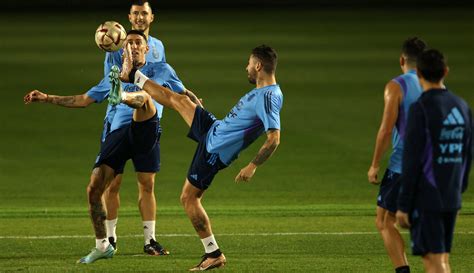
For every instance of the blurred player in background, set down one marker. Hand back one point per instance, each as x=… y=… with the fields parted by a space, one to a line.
x=399 y=94
x=119 y=118
x=436 y=163
x=220 y=141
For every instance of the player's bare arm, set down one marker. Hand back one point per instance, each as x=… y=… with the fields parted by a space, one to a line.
x=76 y=101
x=265 y=152
x=392 y=99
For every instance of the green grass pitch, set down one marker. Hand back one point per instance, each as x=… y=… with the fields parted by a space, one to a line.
x=308 y=209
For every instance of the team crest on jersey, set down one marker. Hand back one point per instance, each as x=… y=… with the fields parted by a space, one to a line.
x=155 y=53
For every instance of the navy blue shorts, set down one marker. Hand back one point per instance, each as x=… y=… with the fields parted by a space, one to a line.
x=388 y=192
x=205 y=165
x=432 y=232
x=140 y=142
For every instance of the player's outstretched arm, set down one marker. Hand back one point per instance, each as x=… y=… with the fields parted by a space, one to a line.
x=76 y=101
x=267 y=149
x=392 y=99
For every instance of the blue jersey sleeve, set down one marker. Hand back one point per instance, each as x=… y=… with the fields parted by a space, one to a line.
x=268 y=110
x=173 y=82
x=100 y=91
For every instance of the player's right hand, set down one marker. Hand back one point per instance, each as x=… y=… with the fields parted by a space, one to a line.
x=35 y=96
x=372 y=175
x=402 y=219
x=127 y=63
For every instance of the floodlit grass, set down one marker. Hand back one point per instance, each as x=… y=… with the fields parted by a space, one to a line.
x=308 y=209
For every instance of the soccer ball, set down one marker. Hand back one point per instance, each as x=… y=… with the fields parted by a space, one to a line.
x=110 y=36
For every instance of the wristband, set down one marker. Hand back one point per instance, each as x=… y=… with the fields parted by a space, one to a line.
x=140 y=79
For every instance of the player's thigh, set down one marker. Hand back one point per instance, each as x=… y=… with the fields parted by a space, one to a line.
x=185 y=107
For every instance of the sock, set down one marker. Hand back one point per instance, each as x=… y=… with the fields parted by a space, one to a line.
x=210 y=244
x=111 y=226
x=402 y=269
x=139 y=79
x=149 y=231
x=102 y=244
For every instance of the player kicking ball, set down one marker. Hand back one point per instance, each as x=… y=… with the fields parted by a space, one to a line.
x=135 y=140
x=219 y=141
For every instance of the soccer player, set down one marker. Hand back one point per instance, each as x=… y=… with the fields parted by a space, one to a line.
x=436 y=163
x=220 y=141
x=141 y=16
x=399 y=94
x=119 y=119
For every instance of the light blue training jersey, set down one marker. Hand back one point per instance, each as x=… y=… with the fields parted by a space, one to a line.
x=412 y=90
x=121 y=115
x=256 y=112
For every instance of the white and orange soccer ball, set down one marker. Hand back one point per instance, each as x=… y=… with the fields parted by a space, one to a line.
x=110 y=36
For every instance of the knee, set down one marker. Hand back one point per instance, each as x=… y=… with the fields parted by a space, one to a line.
x=114 y=186
x=146 y=186
x=187 y=199
x=183 y=199
x=96 y=186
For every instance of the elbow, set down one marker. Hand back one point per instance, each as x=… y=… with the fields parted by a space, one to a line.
x=275 y=143
x=385 y=133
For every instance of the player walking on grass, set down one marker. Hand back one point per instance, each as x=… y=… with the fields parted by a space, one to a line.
x=399 y=94
x=220 y=141
x=436 y=163
x=123 y=141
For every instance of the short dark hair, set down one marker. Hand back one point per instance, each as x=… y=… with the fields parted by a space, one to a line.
x=138 y=32
x=267 y=56
x=411 y=48
x=140 y=2
x=431 y=65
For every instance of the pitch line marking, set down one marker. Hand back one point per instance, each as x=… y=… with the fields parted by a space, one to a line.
x=48 y=237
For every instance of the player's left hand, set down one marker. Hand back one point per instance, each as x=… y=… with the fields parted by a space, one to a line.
x=402 y=219
x=246 y=173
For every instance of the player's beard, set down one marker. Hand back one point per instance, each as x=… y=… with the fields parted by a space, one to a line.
x=252 y=77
